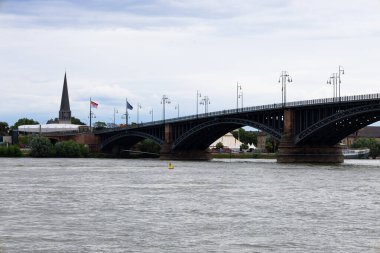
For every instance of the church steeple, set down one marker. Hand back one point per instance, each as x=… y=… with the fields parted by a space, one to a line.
x=64 y=112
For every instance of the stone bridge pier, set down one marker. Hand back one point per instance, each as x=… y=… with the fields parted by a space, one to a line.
x=290 y=152
x=167 y=152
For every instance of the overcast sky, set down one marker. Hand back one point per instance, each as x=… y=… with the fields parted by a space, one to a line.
x=143 y=49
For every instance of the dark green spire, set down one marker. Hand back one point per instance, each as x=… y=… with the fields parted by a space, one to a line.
x=64 y=112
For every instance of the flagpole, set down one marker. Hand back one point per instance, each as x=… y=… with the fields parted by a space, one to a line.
x=90 y=116
x=126 y=112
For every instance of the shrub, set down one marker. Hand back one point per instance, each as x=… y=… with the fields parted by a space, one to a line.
x=41 y=147
x=67 y=149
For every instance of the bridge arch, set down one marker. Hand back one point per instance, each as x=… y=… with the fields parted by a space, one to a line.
x=203 y=135
x=129 y=138
x=334 y=128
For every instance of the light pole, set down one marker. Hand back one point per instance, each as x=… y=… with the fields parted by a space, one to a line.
x=177 y=108
x=151 y=112
x=284 y=78
x=198 y=96
x=164 y=100
x=238 y=86
x=205 y=101
x=340 y=71
x=138 y=107
x=241 y=96
x=334 y=81
x=114 y=116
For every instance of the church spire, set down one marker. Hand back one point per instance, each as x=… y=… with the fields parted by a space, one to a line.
x=64 y=112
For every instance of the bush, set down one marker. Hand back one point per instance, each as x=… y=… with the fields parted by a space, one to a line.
x=41 y=147
x=67 y=149
x=370 y=143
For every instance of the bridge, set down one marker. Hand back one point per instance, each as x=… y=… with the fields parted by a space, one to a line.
x=308 y=131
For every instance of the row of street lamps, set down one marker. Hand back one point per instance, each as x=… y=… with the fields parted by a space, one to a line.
x=335 y=80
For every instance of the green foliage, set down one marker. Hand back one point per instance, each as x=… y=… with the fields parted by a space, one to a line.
x=370 y=143
x=24 y=121
x=100 y=125
x=67 y=149
x=24 y=139
x=53 y=121
x=219 y=145
x=245 y=136
x=70 y=149
x=41 y=147
x=4 y=128
x=271 y=145
x=76 y=121
x=243 y=146
x=11 y=151
x=149 y=146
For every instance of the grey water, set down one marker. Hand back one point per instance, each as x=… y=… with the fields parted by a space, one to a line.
x=101 y=205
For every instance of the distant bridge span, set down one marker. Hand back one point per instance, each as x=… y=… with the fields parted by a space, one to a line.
x=308 y=130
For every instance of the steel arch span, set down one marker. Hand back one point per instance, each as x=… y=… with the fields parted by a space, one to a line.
x=203 y=135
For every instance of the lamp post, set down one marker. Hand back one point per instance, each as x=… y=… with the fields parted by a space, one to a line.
x=238 y=86
x=151 y=112
x=333 y=80
x=340 y=71
x=164 y=100
x=114 y=116
x=138 y=107
x=205 y=101
x=177 y=108
x=241 y=96
x=198 y=96
x=91 y=116
x=284 y=78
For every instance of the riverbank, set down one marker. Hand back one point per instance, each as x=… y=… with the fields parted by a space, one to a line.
x=244 y=155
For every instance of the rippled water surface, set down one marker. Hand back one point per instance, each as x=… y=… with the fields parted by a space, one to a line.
x=91 y=205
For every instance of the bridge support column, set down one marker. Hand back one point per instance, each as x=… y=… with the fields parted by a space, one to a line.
x=168 y=154
x=289 y=152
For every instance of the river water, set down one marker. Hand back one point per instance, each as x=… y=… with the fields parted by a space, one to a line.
x=101 y=205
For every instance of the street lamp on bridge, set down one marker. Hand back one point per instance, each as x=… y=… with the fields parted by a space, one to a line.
x=284 y=78
x=340 y=71
x=333 y=81
x=151 y=112
x=177 y=108
x=238 y=87
x=138 y=107
x=205 y=101
x=241 y=96
x=164 y=100
x=198 y=96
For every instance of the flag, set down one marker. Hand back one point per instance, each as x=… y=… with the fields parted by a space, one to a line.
x=129 y=106
x=93 y=104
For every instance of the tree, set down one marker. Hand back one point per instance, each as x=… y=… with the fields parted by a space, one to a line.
x=24 y=121
x=243 y=146
x=76 y=121
x=53 y=121
x=149 y=146
x=100 y=125
x=41 y=147
x=4 y=128
x=219 y=145
x=371 y=143
x=245 y=137
x=67 y=149
x=271 y=145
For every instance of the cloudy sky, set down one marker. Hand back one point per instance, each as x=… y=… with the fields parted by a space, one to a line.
x=142 y=49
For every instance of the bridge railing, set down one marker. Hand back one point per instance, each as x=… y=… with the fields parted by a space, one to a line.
x=374 y=96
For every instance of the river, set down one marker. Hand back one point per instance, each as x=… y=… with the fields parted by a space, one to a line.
x=106 y=205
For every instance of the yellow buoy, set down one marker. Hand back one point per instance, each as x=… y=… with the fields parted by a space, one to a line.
x=170 y=166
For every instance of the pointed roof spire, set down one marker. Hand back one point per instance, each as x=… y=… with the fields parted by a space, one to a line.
x=65 y=103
